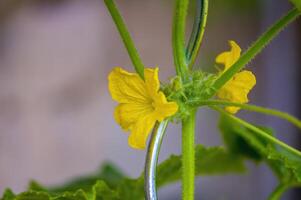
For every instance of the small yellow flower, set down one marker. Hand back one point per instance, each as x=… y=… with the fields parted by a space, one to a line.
x=236 y=89
x=141 y=103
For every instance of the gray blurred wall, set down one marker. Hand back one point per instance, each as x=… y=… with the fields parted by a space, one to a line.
x=56 y=117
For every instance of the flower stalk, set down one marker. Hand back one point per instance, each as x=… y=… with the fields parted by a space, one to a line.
x=278 y=192
x=283 y=115
x=126 y=37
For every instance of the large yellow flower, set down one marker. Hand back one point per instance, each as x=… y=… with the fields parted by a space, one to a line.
x=141 y=103
x=236 y=89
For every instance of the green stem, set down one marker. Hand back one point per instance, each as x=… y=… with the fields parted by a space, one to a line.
x=178 y=37
x=126 y=37
x=256 y=48
x=253 y=108
x=278 y=192
x=259 y=132
x=188 y=159
x=297 y=3
x=197 y=32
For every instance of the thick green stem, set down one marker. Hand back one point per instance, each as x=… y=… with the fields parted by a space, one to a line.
x=256 y=48
x=250 y=107
x=278 y=192
x=188 y=159
x=178 y=37
x=297 y=3
x=126 y=37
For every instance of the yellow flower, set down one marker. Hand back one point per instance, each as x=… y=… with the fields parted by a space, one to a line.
x=141 y=103
x=236 y=89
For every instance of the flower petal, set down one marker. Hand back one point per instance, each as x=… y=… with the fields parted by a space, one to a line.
x=140 y=132
x=126 y=87
x=127 y=114
x=163 y=108
x=232 y=109
x=140 y=103
x=152 y=80
x=228 y=58
x=237 y=89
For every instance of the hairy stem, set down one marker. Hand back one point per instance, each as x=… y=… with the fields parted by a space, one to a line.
x=278 y=192
x=188 y=156
x=253 y=108
x=126 y=37
x=259 y=132
x=178 y=37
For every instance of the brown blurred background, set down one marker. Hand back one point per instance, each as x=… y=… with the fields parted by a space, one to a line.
x=56 y=118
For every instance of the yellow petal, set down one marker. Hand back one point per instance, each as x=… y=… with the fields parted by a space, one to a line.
x=237 y=89
x=245 y=80
x=232 y=109
x=126 y=115
x=126 y=87
x=163 y=108
x=140 y=103
x=152 y=80
x=228 y=58
x=140 y=132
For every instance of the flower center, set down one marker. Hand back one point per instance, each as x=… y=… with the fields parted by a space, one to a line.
x=153 y=105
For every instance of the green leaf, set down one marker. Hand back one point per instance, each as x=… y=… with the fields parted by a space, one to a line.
x=216 y=161
x=8 y=195
x=209 y=161
x=111 y=174
x=35 y=186
x=33 y=195
x=131 y=189
x=212 y=160
x=239 y=141
x=111 y=184
x=79 y=195
x=108 y=173
x=297 y=3
x=102 y=191
x=285 y=165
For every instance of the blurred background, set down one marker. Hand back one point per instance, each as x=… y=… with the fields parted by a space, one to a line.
x=56 y=115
